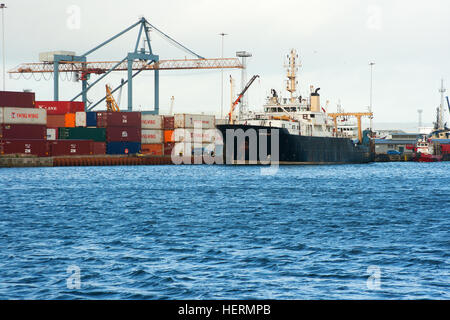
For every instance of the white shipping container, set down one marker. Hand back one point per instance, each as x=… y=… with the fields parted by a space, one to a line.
x=51 y=134
x=80 y=119
x=150 y=121
x=193 y=135
x=23 y=116
x=189 y=121
x=152 y=136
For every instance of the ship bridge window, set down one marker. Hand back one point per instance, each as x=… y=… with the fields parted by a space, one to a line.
x=313 y=116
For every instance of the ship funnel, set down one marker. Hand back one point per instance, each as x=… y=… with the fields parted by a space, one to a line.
x=315 y=101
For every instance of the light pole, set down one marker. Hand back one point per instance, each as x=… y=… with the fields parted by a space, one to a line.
x=221 y=101
x=371 y=64
x=3 y=7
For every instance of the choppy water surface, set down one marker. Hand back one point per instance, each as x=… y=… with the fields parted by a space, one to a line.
x=377 y=231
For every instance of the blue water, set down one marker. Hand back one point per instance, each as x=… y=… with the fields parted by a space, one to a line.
x=309 y=232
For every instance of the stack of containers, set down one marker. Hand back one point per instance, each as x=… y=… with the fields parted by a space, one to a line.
x=123 y=131
x=169 y=135
x=22 y=127
x=68 y=132
x=152 y=134
x=194 y=134
x=60 y=114
x=157 y=135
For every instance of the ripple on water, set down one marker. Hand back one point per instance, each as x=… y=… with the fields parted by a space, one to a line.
x=226 y=232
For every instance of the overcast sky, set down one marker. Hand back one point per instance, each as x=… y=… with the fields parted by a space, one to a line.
x=336 y=40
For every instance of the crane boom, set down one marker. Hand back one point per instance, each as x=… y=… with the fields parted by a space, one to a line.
x=100 y=67
x=448 y=104
x=111 y=104
x=241 y=95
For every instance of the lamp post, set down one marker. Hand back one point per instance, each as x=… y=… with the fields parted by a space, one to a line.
x=221 y=101
x=371 y=64
x=3 y=7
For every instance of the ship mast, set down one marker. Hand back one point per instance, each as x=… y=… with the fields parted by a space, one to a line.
x=292 y=69
x=441 y=107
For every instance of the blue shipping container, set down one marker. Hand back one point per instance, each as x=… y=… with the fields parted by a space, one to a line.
x=123 y=147
x=91 y=119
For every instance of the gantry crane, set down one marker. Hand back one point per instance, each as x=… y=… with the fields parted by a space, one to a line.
x=356 y=115
x=134 y=63
x=241 y=95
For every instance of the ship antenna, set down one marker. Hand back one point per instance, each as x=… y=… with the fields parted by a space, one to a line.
x=292 y=69
x=441 y=107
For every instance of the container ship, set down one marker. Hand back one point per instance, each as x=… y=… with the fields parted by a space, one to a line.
x=307 y=134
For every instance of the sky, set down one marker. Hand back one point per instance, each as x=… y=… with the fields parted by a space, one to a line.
x=336 y=40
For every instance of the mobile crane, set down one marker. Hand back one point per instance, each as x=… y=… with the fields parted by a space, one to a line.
x=241 y=95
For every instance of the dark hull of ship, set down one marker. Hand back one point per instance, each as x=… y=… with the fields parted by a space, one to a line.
x=294 y=149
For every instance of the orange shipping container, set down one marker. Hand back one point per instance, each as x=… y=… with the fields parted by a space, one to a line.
x=56 y=121
x=69 y=120
x=169 y=136
x=152 y=149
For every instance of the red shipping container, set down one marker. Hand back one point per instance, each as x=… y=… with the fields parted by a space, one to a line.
x=17 y=99
x=168 y=147
x=56 y=121
x=119 y=119
x=98 y=148
x=123 y=134
x=60 y=107
x=37 y=148
x=169 y=123
x=22 y=131
x=70 y=148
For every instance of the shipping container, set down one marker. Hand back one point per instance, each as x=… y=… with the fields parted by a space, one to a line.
x=123 y=147
x=190 y=121
x=94 y=134
x=98 y=148
x=169 y=136
x=37 y=148
x=60 y=107
x=91 y=119
x=152 y=136
x=56 y=121
x=196 y=135
x=168 y=147
x=17 y=99
x=119 y=119
x=169 y=123
x=22 y=131
x=150 y=121
x=70 y=148
x=153 y=149
x=52 y=134
x=123 y=134
x=80 y=119
x=22 y=116
x=69 y=120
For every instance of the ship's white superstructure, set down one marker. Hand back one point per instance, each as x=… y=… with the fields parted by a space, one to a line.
x=297 y=114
